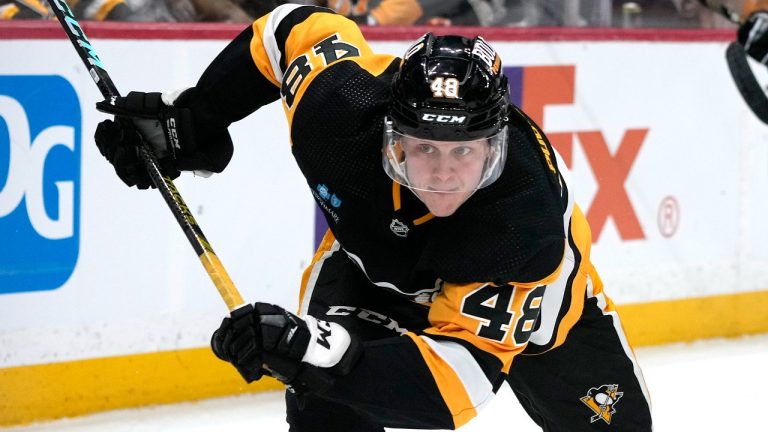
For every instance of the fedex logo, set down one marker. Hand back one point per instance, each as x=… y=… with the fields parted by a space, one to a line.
x=40 y=132
x=534 y=87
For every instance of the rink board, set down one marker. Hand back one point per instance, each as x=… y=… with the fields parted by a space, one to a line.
x=103 y=304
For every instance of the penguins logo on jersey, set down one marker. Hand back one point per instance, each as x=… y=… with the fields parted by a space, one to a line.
x=602 y=401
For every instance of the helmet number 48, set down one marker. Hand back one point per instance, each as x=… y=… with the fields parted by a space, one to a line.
x=445 y=88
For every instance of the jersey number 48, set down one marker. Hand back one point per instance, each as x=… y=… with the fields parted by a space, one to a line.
x=496 y=307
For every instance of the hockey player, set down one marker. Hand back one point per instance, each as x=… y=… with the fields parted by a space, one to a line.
x=456 y=259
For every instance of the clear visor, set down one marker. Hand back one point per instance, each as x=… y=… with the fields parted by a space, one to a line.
x=443 y=166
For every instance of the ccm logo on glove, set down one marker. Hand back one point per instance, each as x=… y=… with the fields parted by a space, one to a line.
x=331 y=342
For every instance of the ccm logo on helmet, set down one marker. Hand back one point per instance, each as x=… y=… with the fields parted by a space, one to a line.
x=442 y=118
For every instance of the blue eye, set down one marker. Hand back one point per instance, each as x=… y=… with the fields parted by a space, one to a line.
x=462 y=151
x=426 y=148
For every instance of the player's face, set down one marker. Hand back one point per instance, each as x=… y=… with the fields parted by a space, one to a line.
x=443 y=174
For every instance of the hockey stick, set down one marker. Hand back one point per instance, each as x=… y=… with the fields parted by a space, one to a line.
x=738 y=65
x=186 y=221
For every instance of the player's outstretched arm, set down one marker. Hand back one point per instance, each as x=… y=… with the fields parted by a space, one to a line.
x=186 y=129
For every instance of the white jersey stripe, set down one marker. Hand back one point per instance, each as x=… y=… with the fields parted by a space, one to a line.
x=565 y=174
x=554 y=294
x=479 y=389
x=556 y=291
x=269 y=40
x=388 y=285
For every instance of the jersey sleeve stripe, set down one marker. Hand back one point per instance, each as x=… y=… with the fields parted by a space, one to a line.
x=488 y=362
x=276 y=51
x=580 y=240
x=288 y=23
x=558 y=302
x=278 y=27
x=469 y=372
x=462 y=383
x=563 y=300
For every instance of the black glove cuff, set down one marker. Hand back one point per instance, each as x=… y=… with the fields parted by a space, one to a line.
x=349 y=359
x=311 y=379
x=202 y=132
x=294 y=343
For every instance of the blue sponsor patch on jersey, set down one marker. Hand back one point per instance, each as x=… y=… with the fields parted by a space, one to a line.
x=40 y=135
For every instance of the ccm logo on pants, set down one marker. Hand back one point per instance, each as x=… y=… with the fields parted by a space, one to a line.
x=40 y=135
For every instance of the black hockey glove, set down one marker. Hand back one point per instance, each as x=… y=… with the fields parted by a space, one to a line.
x=138 y=117
x=753 y=35
x=305 y=354
x=118 y=142
x=174 y=125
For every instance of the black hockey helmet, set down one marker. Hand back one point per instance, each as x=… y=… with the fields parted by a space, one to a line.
x=449 y=88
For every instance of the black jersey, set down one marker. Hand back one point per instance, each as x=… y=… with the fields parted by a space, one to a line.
x=336 y=95
x=505 y=275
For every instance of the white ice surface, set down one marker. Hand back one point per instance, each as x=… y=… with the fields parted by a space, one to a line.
x=714 y=385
